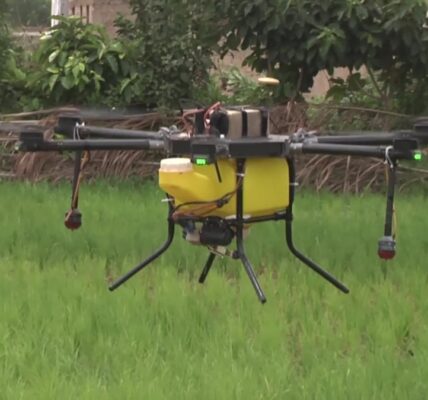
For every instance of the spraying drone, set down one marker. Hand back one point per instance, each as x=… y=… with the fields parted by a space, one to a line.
x=225 y=172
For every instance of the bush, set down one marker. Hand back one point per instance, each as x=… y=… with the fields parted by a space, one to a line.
x=176 y=40
x=165 y=53
x=29 y=12
x=292 y=41
x=78 y=63
x=232 y=87
x=4 y=35
x=12 y=79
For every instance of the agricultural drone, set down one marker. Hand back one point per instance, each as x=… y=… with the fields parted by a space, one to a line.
x=225 y=172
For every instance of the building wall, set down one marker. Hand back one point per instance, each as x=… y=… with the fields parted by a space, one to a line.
x=321 y=81
x=103 y=12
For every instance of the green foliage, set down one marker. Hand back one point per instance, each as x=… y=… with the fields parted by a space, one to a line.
x=29 y=12
x=175 y=42
x=3 y=10
x=379 y=91
x=164 y=54
x=12 y=78
x=232 y=87
x=4 y=35
x=244 y=90
x=78 y=63
x=293 y=40
x=12 y=82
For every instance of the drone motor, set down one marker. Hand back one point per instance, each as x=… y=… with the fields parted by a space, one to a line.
x=211 y=232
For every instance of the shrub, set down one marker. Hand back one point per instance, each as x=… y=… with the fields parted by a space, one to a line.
x=175 y=41
x=232 y=87
x=12 y=79
x=30 y=12
x=78 y=63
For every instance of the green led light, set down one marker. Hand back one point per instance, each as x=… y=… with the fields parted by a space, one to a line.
x=417 y=156
x=201 y=161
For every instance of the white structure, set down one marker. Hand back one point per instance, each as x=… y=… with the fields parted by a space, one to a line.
x=59 y=7
x=101 y=12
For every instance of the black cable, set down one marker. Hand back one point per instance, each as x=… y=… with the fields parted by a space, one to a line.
x=220 y=202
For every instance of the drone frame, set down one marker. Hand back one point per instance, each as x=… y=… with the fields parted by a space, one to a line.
x=240 y=253
x=391 y=147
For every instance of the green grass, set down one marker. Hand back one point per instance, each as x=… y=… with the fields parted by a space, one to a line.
x=63 y=335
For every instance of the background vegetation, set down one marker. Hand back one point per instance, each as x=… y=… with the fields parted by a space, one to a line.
x=169 y=45
x=295 y=40
x=79 y=63
x=34 y=13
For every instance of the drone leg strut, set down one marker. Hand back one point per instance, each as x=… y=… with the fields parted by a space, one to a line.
x=207 y=268
x=248 y=267
x=149 y=260
x=240 y=253
x=289 y=238
x=315 y=267
x=386 y=245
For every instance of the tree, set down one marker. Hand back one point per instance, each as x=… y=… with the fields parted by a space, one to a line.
x=29 y=12
x=294 y=40
x=78 y=63
x=290 y=40
x=175 y=40
x=11 y=77
x=4 y=34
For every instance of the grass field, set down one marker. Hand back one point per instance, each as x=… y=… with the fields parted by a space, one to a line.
x=164 y=336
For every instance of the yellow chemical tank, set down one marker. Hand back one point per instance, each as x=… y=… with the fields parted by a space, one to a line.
x=265 y=186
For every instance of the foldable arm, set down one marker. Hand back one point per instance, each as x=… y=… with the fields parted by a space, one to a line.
x=398 y=151
x=33 y=141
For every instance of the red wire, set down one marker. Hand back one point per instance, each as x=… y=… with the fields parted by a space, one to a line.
x=215 y=106
x=207 y=114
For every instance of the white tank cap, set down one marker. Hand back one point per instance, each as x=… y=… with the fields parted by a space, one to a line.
x=176 y=165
